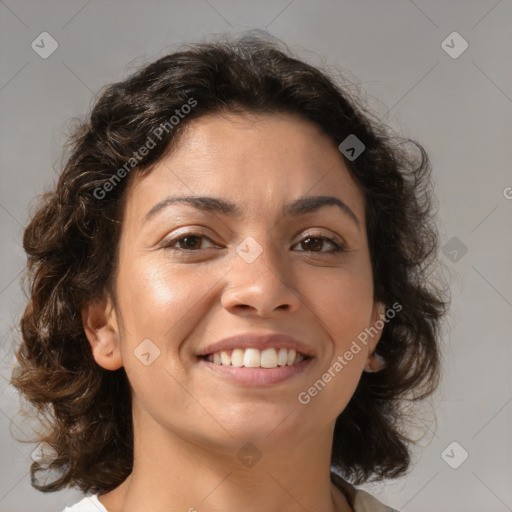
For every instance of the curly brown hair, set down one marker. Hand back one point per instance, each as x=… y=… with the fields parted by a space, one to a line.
x=72 y=243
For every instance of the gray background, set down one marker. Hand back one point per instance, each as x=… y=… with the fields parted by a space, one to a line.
x=460 y=109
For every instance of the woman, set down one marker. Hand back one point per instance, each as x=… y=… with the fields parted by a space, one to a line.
x=229 y=292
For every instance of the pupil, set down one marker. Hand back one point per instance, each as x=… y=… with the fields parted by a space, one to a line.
x=311 y=246
x=190 y=241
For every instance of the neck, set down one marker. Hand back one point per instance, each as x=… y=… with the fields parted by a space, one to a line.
x=174 y=473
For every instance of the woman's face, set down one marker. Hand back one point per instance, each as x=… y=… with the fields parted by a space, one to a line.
x=189 y=277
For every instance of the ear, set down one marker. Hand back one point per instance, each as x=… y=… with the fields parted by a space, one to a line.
x=374 y=362
x=101 y=328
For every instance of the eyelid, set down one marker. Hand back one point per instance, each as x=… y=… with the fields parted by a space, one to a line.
x=330 y=235
x=175 y=237
x=339 y=244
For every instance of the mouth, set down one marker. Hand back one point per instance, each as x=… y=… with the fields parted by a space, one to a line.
x=251 y=367
x=254 y=358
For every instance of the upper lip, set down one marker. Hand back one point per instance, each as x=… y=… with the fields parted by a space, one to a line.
x=259 y=341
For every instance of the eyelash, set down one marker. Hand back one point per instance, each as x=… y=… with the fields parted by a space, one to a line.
x=167 y=244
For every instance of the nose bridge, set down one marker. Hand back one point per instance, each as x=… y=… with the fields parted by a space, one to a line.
x=259 y=277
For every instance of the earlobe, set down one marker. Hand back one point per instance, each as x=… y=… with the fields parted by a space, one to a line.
x=100 y=326
x=375 y=362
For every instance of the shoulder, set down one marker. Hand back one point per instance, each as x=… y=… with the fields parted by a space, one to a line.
x=87 y=504
x=360 y=500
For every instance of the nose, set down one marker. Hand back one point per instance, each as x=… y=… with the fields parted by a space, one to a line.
x=261 y=285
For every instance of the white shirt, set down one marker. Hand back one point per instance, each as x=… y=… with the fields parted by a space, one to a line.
x=88 y=504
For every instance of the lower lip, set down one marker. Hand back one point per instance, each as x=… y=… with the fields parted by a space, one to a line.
x=257 y=377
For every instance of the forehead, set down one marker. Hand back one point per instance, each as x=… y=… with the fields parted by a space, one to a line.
x=255 y=160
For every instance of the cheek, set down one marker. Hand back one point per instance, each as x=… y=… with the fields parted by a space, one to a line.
x=344 y=310
x=157 y=293
x=162 y=303
x=344 y=301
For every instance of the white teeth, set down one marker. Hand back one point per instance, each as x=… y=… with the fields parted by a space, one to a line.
x=254 y=358
x=225 y=359
x=237 y=357
x=282 y=357
x=269 y=358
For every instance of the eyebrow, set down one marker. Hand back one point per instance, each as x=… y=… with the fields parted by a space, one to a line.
x=300 y=206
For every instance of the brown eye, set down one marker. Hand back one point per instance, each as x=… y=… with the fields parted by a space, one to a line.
x=315 y=243
x=187 y=241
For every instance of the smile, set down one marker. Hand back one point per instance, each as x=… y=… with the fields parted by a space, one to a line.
x=254 y=358
x=252 y=368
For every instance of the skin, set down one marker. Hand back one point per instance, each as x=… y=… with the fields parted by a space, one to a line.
x=189 y=423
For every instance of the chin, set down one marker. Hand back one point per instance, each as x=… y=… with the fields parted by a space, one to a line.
x=264 y=425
